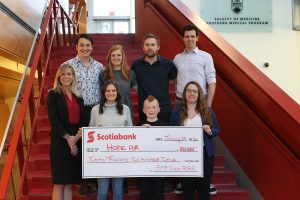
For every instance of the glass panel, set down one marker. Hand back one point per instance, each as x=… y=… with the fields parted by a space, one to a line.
x=104 y=26
x=121 y=26
x=112 y=8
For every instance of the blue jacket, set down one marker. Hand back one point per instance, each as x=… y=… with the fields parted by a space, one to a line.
x=208 y=143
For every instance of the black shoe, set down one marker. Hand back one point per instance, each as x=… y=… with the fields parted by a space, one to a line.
x=178 y=188
x=212 y=190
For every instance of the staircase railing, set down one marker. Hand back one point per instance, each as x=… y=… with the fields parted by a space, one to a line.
x=56 y=29
x=266 y=120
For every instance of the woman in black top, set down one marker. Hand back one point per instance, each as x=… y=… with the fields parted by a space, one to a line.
x=65 y=110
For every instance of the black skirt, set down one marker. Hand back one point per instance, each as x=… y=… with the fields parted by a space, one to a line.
x=65 y=168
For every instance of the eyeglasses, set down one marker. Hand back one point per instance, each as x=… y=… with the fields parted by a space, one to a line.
x=192 y=91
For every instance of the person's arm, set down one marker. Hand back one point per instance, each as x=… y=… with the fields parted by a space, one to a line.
x=129 y=120
x=56 y=124
x=210 y=94
x=133 y=81
x=216 y=129
x=93 y=120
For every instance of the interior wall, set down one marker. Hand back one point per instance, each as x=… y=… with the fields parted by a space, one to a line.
x=15 y=40
x=280 y=48
x=4 y=110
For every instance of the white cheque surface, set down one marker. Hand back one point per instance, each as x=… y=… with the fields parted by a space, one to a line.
x=142 y=152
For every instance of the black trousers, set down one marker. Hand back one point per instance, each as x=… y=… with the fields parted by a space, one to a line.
x=152 y=188
x=201 y=185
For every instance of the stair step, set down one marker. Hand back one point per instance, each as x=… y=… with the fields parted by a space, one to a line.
x=97 y=49
x=134 y=194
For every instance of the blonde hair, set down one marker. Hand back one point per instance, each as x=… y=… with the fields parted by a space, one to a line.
x=57 y=85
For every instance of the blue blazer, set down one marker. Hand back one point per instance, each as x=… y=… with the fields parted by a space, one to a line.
x=208 y=143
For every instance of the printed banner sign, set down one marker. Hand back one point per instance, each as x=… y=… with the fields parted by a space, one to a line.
x=142 y=152
x=237 y=15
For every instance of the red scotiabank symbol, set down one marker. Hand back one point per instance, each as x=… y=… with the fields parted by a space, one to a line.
x=91 y=137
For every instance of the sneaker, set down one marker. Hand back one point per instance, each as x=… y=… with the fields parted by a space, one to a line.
x=212 y=190
x=178 y=188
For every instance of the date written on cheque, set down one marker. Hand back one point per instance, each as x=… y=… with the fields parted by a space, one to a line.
x=174 y=168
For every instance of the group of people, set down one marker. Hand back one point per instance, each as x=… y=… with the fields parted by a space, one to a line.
x=87 y=94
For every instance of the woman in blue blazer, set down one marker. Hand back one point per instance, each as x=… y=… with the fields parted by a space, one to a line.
x=194 y=112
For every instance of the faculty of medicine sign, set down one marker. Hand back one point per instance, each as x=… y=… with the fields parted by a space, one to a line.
x=237 y=15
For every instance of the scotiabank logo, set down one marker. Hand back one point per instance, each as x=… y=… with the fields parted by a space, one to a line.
x=91 y=137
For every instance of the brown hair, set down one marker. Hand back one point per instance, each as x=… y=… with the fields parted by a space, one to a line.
x=189 y=27
x=151 y=35
x=119 y=105
x=201 y=106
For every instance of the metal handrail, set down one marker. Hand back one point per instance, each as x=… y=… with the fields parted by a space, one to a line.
x=20 y=85
x=51 y=12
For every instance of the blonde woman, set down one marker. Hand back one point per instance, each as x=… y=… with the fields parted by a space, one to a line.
x=65 y=110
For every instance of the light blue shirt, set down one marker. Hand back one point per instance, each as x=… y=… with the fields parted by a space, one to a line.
x=196 y=66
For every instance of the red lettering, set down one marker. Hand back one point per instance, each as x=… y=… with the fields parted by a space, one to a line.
x=111 y=147
x=134 y=148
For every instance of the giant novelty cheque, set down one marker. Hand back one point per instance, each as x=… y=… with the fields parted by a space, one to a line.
x=142 y=152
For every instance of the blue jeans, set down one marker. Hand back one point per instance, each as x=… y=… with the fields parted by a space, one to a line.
x=117 y=187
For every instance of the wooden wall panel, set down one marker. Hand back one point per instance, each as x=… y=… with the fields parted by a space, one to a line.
x=30 y=11
x=14 y=39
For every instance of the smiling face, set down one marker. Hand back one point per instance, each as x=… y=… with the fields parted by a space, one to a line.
x=150 y=47
x=151 y=109
x=66 y=78
x=111 y=94
x=192 y=93
x=84 y=48
x=116 y=57
x=190 y=40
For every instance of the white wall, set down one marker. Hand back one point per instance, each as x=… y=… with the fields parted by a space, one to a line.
x=280 y=48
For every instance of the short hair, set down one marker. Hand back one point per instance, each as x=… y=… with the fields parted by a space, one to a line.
x=189 y=27
x=150 y=98
x=151 y=35
x=85 y=36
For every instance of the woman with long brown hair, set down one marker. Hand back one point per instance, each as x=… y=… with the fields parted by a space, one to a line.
x=110 y=112
x=193 y=111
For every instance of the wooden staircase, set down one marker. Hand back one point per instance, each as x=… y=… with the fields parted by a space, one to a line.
x=38 y=168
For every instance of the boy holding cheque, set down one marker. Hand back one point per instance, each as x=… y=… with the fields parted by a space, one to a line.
x=151 y=187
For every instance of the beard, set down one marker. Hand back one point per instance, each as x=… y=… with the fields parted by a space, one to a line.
x=151 y=55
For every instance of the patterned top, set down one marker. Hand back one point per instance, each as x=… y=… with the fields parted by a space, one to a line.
x=87 y=79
